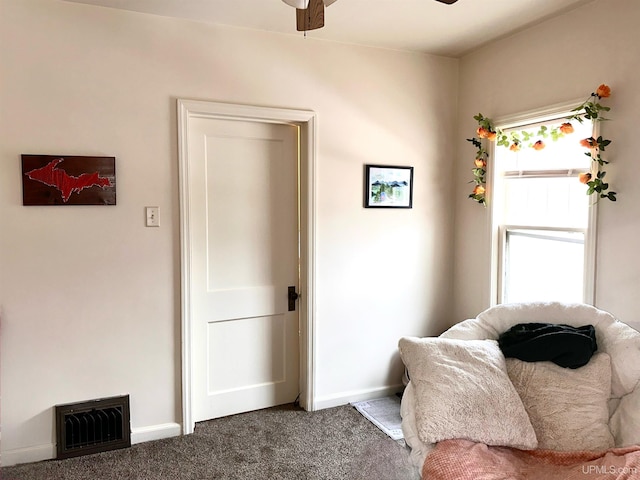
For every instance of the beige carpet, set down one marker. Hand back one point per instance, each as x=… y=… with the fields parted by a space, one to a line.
x=279 y=443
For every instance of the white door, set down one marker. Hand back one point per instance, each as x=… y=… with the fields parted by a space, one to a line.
x=243 y=202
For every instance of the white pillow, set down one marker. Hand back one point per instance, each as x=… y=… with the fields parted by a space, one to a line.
x=568 y=407
x=462 y=391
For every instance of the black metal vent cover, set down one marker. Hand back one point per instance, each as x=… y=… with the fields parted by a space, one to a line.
x=93 y=426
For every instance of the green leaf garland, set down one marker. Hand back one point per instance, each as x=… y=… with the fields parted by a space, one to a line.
x=590 y=109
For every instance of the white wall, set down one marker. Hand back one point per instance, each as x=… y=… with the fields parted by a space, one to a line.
x=560 y=60
x=89 y=297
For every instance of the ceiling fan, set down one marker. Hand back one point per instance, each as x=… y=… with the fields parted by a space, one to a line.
x=310 y=13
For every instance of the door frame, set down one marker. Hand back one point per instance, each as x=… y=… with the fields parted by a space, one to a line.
x=306 y=120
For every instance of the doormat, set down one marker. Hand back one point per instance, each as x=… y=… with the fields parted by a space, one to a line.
x=384 y=413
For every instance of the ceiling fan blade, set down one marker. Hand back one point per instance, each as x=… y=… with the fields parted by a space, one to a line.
x=448 y=2
x=310 y=18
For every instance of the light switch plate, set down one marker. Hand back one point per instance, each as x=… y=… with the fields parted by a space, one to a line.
x=153 y=216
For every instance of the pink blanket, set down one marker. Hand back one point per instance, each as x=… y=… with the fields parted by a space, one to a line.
x=465 y=460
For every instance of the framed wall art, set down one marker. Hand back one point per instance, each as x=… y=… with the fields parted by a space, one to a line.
x=388 y=186
x=68 y=180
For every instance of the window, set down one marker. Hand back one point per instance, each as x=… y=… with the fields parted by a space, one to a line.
x=541 y=217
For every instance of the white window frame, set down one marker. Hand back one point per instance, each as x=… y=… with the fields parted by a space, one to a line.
x=498 y=232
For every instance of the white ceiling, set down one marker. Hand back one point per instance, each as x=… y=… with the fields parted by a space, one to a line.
x=421 y=25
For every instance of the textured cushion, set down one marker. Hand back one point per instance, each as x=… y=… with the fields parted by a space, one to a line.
x=462 y=391
x=568 y=408
x=625 y=422
x=617 y=339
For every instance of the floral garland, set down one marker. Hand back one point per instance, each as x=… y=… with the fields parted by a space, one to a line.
x=590 y=109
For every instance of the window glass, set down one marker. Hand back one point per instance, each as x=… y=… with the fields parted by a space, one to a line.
x=562 y=154
x=541 y=216
x=543 y=265
x=550 y=201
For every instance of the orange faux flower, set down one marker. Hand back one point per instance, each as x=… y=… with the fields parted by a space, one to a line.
x=603 y=91
x=589 y=142
x=482 y=132
x=566 y=128
x=479 y=190
x=584 y=178
x=486 y=133
x=539 y=145
x=480 y=162
x=515 y=147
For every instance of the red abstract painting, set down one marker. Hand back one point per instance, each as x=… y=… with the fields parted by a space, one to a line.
x=68 y=180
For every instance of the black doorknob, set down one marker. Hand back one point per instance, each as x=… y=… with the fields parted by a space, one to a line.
x=292 y=295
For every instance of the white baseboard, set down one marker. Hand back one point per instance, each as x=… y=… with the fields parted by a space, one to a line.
x=48 y=451
x=28 y=454
x=344 y=398
x=155 y=432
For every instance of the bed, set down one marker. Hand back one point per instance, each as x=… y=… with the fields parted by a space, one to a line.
x=469 y=413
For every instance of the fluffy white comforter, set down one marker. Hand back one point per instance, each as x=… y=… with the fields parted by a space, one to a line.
x=618 y=340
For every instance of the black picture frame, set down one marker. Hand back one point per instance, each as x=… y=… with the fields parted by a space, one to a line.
x=388 y=186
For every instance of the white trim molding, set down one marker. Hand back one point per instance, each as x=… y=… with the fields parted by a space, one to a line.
x=155 y=432
x=37 y=453
x=306 y=121
x=344 y=398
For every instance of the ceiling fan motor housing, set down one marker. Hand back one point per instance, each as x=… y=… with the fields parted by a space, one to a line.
x=310 y=13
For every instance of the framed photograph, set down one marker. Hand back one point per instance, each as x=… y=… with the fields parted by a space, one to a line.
x=388 y=187
x=68 y=180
